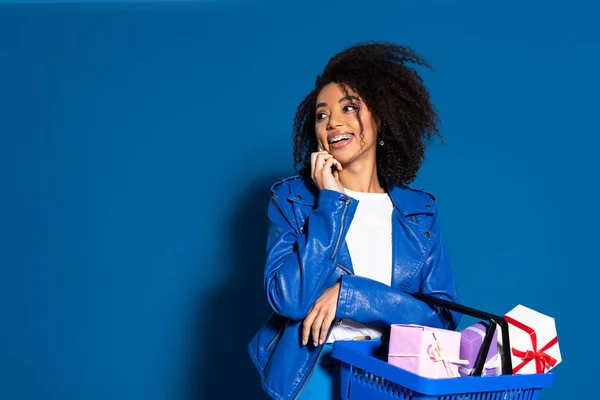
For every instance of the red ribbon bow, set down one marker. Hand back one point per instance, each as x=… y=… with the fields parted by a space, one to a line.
x=542 y=360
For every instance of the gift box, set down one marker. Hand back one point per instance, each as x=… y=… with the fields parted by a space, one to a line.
x=425 y=351
x=533 y=341
x=471 y=340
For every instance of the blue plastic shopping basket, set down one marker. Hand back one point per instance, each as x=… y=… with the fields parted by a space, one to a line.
x=365 y=374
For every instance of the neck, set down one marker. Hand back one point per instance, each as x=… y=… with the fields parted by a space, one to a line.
x=361 y=178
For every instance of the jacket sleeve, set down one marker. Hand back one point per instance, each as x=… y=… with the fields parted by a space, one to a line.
x=299 y=263
x=368 y=301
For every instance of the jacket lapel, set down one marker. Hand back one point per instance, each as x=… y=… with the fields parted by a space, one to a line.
x=409 y=246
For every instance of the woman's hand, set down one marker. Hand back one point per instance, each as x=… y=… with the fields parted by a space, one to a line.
x=322 y=164
x=320 y=316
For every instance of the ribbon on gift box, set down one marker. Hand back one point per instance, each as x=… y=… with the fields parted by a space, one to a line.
x=492 y=363
x=435 y=353
x=542 y=360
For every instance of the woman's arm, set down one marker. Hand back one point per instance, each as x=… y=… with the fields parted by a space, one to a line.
x=299 y=264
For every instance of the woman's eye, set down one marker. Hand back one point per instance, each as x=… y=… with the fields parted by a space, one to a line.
x=350 y=108
x=320 y=116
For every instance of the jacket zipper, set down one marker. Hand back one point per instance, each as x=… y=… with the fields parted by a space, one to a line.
x=341 y=229
x=277 y=336
x=340 y=266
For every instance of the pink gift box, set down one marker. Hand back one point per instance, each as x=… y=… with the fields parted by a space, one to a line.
x=427 y=352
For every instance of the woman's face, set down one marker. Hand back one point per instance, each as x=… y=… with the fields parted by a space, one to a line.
x=337 y=127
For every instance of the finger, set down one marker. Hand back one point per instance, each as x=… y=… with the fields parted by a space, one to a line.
x=326 y=169
x=325 y=327
x=337 y=164
x=306 y=325
x=321 y=157
x=316 y=160
x=320 y=163
x=316 y=328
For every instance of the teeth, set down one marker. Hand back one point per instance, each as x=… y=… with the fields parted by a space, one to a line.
x=340 y=137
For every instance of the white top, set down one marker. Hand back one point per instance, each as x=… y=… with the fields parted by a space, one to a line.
x=369 y=241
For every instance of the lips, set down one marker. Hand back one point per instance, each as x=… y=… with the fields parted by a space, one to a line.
x=339 y=137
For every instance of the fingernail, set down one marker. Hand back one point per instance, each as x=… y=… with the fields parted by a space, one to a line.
x=320 y=342
x=315 y=343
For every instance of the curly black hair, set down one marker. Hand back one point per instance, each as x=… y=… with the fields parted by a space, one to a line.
x=395 y=95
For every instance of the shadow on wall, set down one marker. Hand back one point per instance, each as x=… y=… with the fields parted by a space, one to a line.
x=231 y=314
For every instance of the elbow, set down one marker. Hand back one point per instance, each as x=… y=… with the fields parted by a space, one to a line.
x=287 y=311
x=284 y=304
x=446 y=319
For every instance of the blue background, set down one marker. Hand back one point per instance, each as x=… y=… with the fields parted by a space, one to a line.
x=139 y=140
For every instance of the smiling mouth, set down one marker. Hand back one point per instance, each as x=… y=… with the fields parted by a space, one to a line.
x=340 y=138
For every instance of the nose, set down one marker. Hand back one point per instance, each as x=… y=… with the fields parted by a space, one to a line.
x=334 y=121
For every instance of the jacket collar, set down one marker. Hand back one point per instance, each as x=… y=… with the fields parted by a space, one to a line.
x=305 y=191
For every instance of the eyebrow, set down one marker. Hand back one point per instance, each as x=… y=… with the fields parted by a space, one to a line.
x=345 y=98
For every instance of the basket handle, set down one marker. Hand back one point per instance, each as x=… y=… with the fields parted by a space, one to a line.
x=494 y=320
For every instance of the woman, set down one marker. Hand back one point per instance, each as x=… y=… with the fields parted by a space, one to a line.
x=347 y=237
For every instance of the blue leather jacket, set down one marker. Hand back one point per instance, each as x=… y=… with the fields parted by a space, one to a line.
x=307 y=253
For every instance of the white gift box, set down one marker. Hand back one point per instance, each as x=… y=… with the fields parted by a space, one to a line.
x=533 y=341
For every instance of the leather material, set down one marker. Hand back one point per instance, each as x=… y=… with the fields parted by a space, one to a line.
x=307 y=253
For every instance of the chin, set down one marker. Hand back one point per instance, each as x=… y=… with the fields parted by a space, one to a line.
x=345 y=160
x=344 y=156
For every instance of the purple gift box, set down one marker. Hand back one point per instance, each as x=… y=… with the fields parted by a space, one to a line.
x=471 y=339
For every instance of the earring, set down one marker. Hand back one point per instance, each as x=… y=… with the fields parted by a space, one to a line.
x=381 y=143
